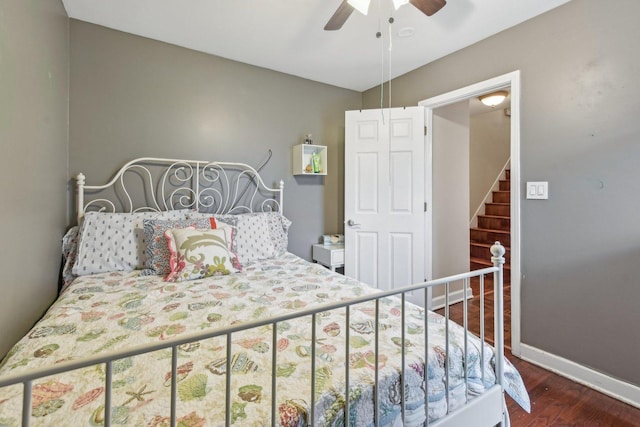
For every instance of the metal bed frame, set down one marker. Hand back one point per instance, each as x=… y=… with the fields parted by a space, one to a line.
x=192 y=184
x=170 y=184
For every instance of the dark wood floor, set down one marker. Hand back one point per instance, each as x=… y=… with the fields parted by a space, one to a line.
x=555 y=400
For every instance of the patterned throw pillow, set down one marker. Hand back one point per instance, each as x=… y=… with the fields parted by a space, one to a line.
x=198 y=253
x=69 y=253
x=114 y=241
x=157 y=250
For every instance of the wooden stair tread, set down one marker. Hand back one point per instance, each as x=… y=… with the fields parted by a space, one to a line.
x=490 y=230
x=487 y=245
x=495 y=216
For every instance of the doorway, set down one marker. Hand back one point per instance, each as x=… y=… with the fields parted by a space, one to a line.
x=510 y=81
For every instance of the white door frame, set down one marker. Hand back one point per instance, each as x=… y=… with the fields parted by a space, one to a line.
x=512 y=81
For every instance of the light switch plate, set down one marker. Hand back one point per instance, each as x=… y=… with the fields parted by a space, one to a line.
x=538 y=190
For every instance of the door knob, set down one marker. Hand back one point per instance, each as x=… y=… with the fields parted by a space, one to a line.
x=352 y=223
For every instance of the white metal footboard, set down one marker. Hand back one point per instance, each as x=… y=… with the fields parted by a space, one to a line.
x=485 y=410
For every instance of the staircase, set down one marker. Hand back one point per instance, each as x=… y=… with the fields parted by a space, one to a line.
x=494 y=225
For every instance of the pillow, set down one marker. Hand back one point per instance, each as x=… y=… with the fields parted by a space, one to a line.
x=157 y=251
x=198 y=253
x=260 y=235
x=279 y=231
x=114 y=241
x=69 y=253
x=253 y=241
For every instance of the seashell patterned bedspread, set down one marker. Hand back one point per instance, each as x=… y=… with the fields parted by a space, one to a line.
x=112 y=311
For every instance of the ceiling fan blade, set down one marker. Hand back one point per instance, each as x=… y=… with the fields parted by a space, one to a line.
x=429 y=7
x=339 y=17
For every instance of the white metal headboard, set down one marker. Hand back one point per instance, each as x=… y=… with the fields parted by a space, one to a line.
x=156 y=184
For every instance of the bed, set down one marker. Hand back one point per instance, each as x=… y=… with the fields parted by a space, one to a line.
x=182 y=307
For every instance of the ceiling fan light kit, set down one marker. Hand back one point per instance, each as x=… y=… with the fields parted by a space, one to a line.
x=340 y=16
x=494 y=98
x=399 y=3
x=361 y=6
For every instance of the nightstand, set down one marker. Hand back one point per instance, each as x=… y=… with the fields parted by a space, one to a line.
x=331 y=256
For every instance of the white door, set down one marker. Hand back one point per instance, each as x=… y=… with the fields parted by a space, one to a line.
x=385 y=196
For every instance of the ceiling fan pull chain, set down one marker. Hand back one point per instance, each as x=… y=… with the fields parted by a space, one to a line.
x=391 y=20
x=390 y=49
x=381 y=75
x=379 y=37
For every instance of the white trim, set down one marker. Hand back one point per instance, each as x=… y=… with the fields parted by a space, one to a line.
x=454 y=297
x=512 y=81
x=428 y=200
x=623 y=391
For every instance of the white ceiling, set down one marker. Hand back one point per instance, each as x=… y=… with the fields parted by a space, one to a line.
x=288 y=35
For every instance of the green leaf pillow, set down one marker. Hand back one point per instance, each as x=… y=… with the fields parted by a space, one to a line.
x=198 y=253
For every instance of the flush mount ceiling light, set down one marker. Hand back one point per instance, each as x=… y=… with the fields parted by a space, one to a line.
x=494 y=98
x=406 y=32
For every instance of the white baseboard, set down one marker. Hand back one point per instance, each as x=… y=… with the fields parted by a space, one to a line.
x=454 y=297
x=621 y=390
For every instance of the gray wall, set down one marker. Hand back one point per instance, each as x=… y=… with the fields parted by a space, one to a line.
x=34 y=52
x=450 y=245
x=134 y=97
x=489 y=150
x=580 y=131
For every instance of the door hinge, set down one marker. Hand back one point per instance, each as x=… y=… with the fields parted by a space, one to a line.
x=425 y=206
x=425 y=131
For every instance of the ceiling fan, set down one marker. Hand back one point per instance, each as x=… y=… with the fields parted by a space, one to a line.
x=340 y=16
